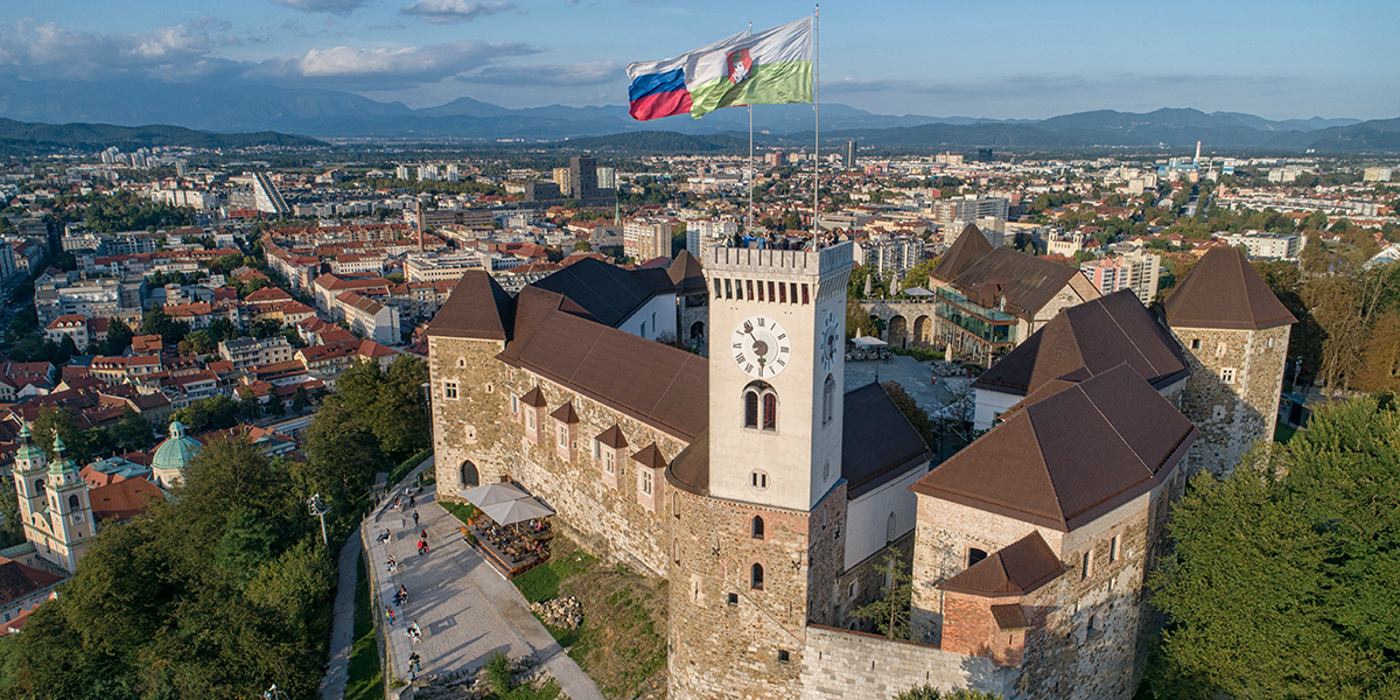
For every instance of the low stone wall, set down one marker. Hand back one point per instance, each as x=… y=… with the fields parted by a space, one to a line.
x=839 y=664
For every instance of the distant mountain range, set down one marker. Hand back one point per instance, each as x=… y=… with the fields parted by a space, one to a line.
x=330 y=114
x=25 y=139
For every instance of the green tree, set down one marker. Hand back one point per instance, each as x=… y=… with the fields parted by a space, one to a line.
x=1282 y=579
x=53 y=419
x=132 y=433
x=890 y=612
x=275 y=406
x=118 y=337
x=223 y=329
x=343 y=455
x=928 y=692
x=11 y=529
x=213 y=413
x=200 y=342
x=300 y=400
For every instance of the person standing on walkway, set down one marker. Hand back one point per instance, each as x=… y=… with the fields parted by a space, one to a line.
x=415 y=518
x=413 y=660
x=389 y=613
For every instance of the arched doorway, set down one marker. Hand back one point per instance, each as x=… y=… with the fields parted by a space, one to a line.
x=923 y=331
x=697 y=330
x=897 y=335
x=469 y=476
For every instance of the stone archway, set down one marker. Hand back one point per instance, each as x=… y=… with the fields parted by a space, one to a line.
x=923 y=331
x=469 y=475
x=697 y=330
x=897 y=333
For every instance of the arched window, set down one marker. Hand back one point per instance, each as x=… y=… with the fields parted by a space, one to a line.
x=760 y=397
x=757 y=527
x=890 y=528
x=469 y=475
x=828 y=400
x=73 y=502
x=756 y=577
x=38 y=485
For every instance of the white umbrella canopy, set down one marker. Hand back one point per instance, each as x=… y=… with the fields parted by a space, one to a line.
x=516 y=511
x=492 y=494
x=868 y=342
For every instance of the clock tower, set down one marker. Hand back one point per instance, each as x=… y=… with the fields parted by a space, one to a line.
x=757 y=551
x=777 y=344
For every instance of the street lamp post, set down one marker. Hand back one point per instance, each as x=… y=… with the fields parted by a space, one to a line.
x=319 y=509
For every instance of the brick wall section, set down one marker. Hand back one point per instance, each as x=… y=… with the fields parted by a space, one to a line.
x=969 y=628
x=943 y=534
x=840 y=665
x=1232 y=416
x=611 y=522
x=720 y=649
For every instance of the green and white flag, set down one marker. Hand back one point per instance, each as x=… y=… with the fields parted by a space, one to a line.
x=772 y=67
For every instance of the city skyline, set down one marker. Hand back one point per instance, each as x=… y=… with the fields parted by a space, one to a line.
x=1012 y=60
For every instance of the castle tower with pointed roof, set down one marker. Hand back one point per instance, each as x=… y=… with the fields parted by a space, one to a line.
x=1234 y=333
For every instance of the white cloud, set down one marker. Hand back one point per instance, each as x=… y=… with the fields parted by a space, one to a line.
x=370 y=68
x=562 y=75
x=51 y=51
x=452 y=11
x=338 y=7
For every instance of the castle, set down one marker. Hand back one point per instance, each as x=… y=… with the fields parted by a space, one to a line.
x=767 y=494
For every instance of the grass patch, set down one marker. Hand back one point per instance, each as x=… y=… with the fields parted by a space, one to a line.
x=1284 y=433
x=366 y=681
x=461 y=511
x=542 y=582
x=405 y=467
x=622 y=643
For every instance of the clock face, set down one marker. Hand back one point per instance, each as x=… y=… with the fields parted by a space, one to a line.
x=830 y=342
x=761 y=347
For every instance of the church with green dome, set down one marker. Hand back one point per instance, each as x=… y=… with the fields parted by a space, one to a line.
x=172 y=455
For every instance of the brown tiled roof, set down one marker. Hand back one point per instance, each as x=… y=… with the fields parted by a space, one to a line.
x=878 y=443
x=686 y=274
x=1013 y=570
x=123 y=499
x=565 y=414
x=478 y=309
x=613 y=437
x=650 y=456
x=662 y=386
x=1027 y=282
x=690 y=470
x=969 y=247
x=19 y=580
x=1087 y=339
x=1070 y=457
x=1010 y=618
x=1224 y=291
x=534 y=398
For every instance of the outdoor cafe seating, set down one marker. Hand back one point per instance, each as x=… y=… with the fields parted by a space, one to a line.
x=511 y=528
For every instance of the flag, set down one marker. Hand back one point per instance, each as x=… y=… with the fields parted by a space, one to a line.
x=770 y=67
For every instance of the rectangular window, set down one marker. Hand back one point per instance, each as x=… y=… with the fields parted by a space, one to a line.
x=749 y=285
x=760 y=290
x=728 y=290
x=804 y=294
x=449 y=390
x=783 y=656
x=563 y=432
x=770 y=292
x=1086 y=566
x=1195 y=343
x=794 y=292
x=515 y=405
x=646 y=481
x=530 y=419
x=782 y=293
x=597 y=451
x=1113 y=546
x=1227 y=375
x=1220 y=350
x=610 y=461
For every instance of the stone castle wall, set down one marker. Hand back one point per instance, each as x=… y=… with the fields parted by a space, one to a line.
x=615 y=522
x=839 y=665
x=728 y=638
x=1231 y=413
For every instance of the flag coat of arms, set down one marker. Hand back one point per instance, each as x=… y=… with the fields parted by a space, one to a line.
x=769 y=67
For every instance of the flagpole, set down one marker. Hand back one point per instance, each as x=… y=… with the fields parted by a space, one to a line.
x=817 y=118
x=748 y=230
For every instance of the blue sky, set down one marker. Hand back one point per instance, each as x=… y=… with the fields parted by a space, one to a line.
x=993 y=58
